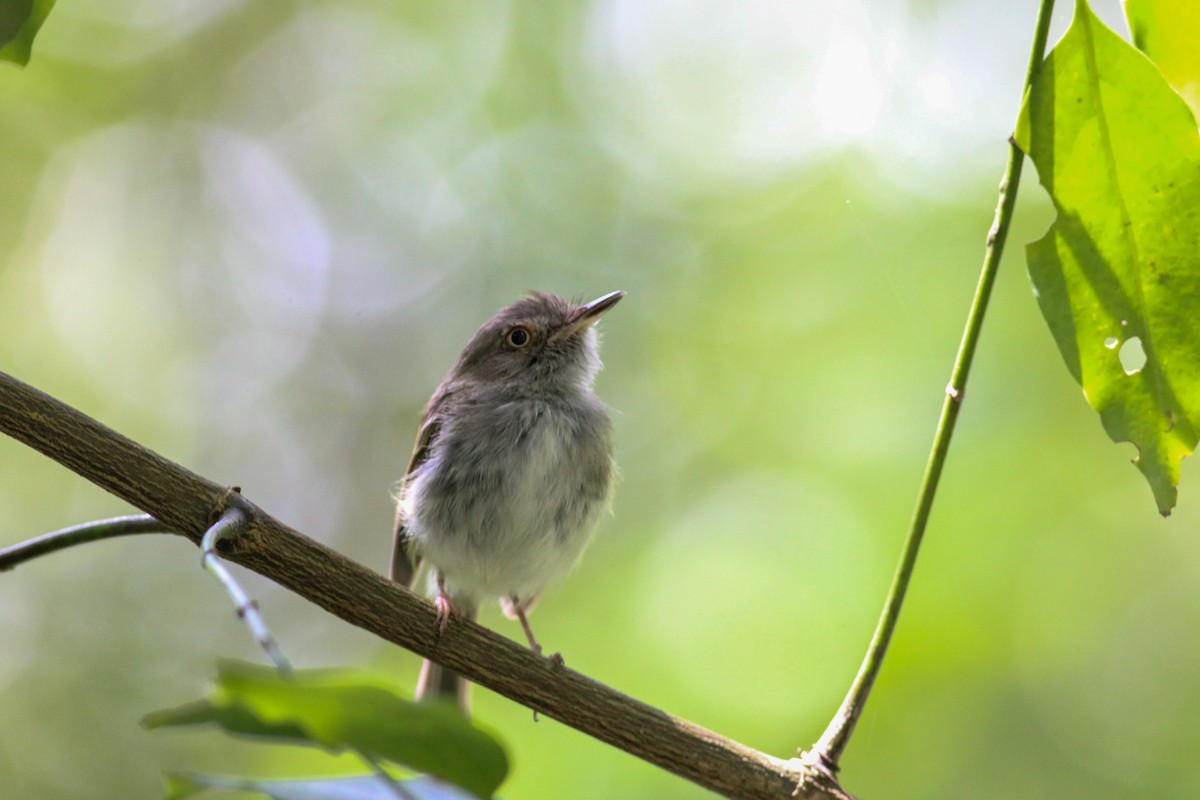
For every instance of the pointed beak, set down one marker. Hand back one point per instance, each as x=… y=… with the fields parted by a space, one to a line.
x=587 y=315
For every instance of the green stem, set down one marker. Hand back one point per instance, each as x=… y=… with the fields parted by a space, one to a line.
x=828 y=749
x=79 y=534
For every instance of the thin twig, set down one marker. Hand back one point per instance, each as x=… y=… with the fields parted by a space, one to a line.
x=396 y=787
x=78 y=534
x=827 y=752
x=230 y=523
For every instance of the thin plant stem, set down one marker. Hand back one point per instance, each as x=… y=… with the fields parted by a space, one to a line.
x=79 y=534
x=828 y=750
x=227 y=526
x=392 y=786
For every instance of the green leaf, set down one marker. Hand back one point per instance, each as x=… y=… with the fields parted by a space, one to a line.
x=359 y=787
x=341 y=710
x=1169 y=32
x=20 y=21
x=1119 y=153
x=232 y=718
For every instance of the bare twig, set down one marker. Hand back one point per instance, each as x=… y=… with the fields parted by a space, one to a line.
x=184 y=501
x=79 y=534
x=231 y=521
x=395 y=787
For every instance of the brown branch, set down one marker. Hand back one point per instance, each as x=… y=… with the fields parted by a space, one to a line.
x=187 y=503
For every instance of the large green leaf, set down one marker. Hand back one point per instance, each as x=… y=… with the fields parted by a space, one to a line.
x=1119 y=153
x=342 y=710
x=20 y=21
x=1169 y=32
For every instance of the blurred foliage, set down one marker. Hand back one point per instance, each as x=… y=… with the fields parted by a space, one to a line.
x=253 y=236
x=20 y=21
x=1118 y=275
x=346 y=710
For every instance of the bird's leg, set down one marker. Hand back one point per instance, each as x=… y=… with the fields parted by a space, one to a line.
x=533 y=643
x=514 y=608
x=445 y=608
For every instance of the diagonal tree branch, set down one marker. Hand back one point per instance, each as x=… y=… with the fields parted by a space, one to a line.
x=189 y=504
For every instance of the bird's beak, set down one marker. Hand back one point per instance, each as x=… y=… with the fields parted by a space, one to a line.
x=587 y=315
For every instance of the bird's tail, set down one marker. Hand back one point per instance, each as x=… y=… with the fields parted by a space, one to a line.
x=437 y=682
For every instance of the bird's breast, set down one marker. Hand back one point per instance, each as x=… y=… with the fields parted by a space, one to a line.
x=508 y=500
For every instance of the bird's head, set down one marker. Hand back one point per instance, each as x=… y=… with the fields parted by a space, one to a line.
x=542 y=340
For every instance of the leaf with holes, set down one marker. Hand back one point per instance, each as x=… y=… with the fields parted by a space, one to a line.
x=1119 y=269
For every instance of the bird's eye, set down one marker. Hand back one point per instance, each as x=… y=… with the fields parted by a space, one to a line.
x=518 y=337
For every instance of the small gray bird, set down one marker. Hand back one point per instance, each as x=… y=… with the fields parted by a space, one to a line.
x=511 y=469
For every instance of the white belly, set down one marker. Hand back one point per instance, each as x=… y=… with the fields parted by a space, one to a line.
x=510 y=521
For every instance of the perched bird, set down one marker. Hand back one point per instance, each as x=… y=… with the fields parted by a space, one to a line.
x=512 y=467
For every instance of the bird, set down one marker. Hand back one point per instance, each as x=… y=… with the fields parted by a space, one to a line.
x=512 y=467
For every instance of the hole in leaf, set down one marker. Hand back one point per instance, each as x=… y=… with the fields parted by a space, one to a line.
x=1111 y=342
x=1132 y=356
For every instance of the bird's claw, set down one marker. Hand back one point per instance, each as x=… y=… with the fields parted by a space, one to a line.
x=445 y=610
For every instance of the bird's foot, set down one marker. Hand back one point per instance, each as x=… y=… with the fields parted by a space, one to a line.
x=519 y=613
x=445 y=610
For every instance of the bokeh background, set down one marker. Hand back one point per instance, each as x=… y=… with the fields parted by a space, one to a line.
x=253 y=236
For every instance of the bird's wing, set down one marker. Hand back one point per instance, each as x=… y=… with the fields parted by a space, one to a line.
x=405 y=562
